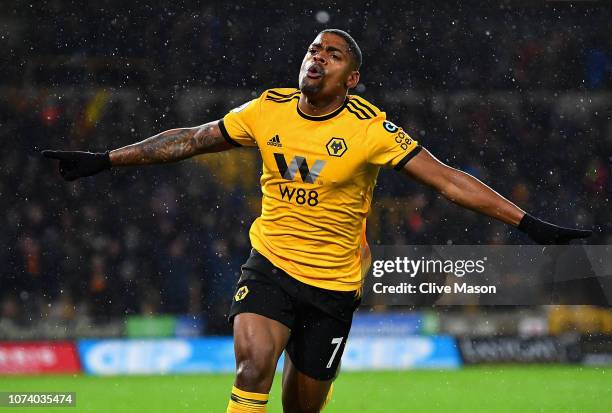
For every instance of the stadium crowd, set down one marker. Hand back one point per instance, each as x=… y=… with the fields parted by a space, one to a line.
x=470 y=45
x=171 y=239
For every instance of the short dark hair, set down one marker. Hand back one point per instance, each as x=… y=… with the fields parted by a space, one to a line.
x=353 y=47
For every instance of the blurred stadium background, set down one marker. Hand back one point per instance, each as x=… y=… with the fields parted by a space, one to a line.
x=517 y=93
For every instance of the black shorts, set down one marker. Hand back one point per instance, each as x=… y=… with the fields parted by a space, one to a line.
x=319 y=319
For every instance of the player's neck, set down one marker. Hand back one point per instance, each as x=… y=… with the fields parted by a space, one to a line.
x=315 y=106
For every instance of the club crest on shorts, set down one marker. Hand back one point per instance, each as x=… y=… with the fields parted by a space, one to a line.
x=241 y=293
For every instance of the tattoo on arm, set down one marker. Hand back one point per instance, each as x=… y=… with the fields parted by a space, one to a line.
x=172 y=145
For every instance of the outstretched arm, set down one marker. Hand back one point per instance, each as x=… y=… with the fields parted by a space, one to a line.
x=467 y=191
x=169 y=146
x=462 y=188
x=172 y=145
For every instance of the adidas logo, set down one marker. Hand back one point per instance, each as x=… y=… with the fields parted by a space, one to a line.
x=275 y=141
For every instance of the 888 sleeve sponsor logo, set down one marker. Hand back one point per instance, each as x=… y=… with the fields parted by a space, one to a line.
x=401 y=137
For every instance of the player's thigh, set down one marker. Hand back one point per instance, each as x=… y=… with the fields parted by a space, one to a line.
x=258 y=344
x=262 y=315
x=254 y=333
x=302 y=393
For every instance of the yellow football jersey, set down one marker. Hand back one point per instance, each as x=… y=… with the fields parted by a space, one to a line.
x=318 y=178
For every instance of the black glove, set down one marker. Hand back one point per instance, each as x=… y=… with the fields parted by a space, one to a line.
x=77 y=164
x=546 y=233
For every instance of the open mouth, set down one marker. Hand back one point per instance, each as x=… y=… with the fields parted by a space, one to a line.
x=315 y=72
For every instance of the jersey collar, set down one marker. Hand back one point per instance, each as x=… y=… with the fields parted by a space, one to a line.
x=322 y=117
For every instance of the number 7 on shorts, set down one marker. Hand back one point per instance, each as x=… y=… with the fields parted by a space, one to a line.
x=338 y=342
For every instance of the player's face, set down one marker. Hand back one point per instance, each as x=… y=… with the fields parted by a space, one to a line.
x=327 y=68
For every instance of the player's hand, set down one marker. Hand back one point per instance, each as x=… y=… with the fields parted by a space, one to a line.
x=546 y=233
x=77 y=164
